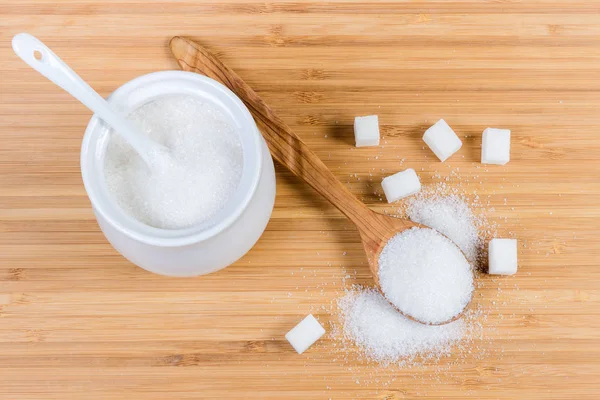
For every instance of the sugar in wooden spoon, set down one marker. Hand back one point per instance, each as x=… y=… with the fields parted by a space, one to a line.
x=414 y=246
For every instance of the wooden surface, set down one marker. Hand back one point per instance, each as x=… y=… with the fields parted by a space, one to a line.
x=77 y=321
x=288 y=149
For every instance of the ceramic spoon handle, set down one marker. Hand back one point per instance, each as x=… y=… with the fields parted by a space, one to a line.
x=39 y=57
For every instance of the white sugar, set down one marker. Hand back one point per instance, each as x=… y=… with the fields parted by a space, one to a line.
x=425 y=275
x=385 y=336
x=503 y=256
x=305 y=334
x=449 y=215
x=442 y=140
x=400 y=185
x=194 y=181
x=366 y=131
x=495 y=147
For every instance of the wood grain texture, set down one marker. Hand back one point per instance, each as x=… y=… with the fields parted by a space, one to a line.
x=77 y=321
x=290 y=151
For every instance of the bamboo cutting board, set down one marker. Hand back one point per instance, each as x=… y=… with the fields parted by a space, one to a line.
x=77 y=321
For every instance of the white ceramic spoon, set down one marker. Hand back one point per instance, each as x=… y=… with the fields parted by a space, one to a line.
x=39 y=57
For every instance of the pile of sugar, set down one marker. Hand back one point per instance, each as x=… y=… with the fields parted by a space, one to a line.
x=385 y=336
x=382 y=334
x=189 y=186
x=449 y=215
x=425 y=275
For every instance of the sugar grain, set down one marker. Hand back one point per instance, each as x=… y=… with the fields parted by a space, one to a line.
x=385 y=336
x=425 y=275
x=449 y=215
x=191 y=183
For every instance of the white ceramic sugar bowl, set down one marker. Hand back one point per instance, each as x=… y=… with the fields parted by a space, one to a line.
x=213 y=244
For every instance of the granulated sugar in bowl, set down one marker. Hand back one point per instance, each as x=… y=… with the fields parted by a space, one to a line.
x=207 y=203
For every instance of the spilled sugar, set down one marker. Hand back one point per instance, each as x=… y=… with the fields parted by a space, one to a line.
x=446 y=209
x=425 y=275
x=383 y=335
x=449 y=215
x=386 y=336
x=189 y=186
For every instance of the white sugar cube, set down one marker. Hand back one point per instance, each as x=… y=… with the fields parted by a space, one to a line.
x=400 y=185
x=495 y=148
x=303 y=335
x=442 y=140
x=502 y=256
x=366 y=131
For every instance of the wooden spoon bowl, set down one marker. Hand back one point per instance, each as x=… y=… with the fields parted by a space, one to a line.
x=286 y=147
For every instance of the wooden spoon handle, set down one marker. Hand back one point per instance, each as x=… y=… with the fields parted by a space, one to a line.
x=285 y=146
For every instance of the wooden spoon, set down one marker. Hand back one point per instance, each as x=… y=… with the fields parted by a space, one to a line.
x=286 y=147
